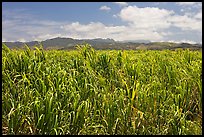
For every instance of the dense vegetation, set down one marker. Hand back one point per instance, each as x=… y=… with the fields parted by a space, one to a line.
x=86 y=91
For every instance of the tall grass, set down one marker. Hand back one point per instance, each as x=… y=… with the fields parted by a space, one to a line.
x=101 y=92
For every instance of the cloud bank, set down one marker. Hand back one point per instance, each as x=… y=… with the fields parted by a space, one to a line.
x=147 y=23
x=106 y=8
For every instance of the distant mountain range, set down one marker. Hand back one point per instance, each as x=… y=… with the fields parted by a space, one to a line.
x=99 y=43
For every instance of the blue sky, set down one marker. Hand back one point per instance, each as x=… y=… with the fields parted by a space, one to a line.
x=155 y=21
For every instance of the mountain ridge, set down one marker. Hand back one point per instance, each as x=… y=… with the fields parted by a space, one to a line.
x=101 y=43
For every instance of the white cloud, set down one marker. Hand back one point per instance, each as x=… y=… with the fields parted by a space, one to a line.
x=185 y=22
x=106 y=8
x=115 y=16
x=199 y=15
x=97 y=29
x=156 y=19
x=186 y=3
x=77 y=27
x=93 y=30
x=121 y=3
x=146 y=18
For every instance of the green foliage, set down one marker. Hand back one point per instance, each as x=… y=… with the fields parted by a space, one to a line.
x=101 y=92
